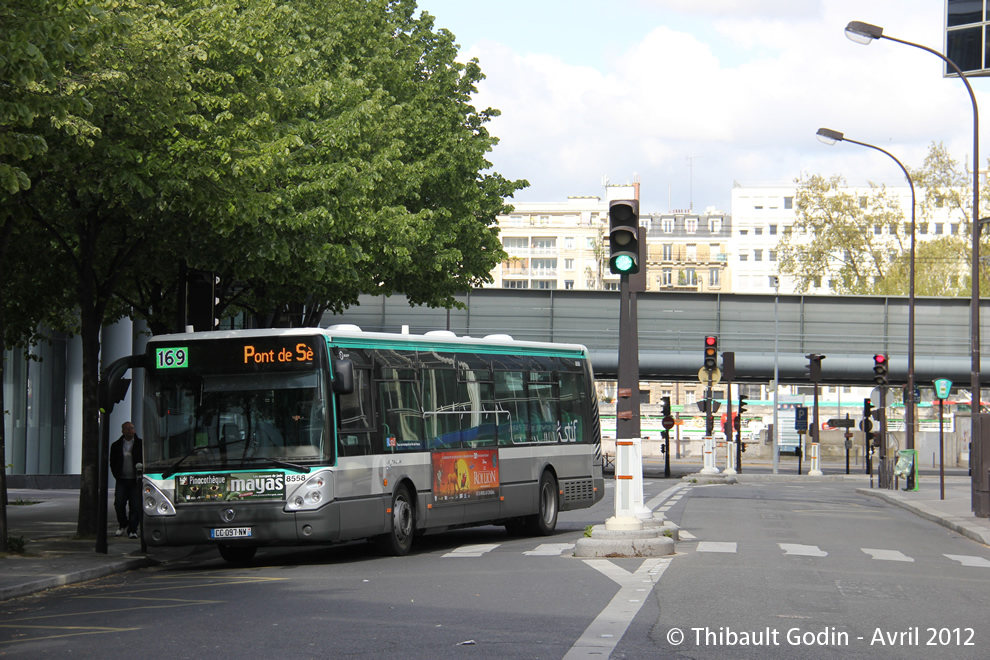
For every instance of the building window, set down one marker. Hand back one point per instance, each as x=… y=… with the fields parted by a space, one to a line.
x=939 y=227
x=862 y=202
x=589 y=243
x=773 y=230
x=691 y=225
x=544 y=284
x=788 y=202
x=743 y=257
x=544 y=268
x=569 y=243
x=714 y=225
x=922 y=228
x=568 y=264
x=877 y=230
x=818 y=282
x=515 y=243
x=667 y=279
x=743 y=232
x=690 y=277
x=691 y=252
x=544 y=220
x=773 y=255
x=515 y=284
x=713 y=277
x=667 y=224
x=757 y=255
x=715 y=252
x=668 y=252
x=773 y=282
x=545 y=245
x=568 y=284
x=611 y=285
x=758 y=231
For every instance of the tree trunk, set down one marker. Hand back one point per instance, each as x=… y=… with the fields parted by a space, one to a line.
x=89 y=484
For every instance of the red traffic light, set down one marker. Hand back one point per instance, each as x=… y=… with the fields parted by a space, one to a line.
x=879 y=358
x=710 y=341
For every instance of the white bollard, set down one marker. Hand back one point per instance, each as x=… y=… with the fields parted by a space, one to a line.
x=730 y=457
x=709 y=451
x=625 y=512
x=639 y=508
x=815 y=470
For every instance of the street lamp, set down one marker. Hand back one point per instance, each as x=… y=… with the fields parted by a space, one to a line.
x=830 y=137
x=864 y=33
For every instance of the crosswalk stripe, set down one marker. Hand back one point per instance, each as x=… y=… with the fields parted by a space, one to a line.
x=685 y=536
x=886 y=555
x=716 y=546
x=472 y=550
x=967 y=560
x=548 y=549
x=802 y=550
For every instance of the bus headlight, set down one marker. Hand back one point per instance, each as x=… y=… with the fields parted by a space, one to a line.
x=155 y=501
x=311 y=494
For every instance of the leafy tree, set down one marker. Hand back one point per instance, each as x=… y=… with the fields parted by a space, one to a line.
x=305 y=160
x=834 y=239
x=38 y=39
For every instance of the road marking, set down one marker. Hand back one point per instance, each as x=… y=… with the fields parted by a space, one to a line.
x=967 y=560
x=547 y=549
x=802 y=550
x=472 y=550
x=716 y=546
x=662 y=497
x=685 y=536
x=887 y=555
x=602 y=636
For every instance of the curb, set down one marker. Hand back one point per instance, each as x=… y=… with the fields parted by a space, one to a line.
x=955 y=523
x=82 y=575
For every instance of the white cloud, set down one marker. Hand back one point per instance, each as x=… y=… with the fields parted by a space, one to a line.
x=691 y=107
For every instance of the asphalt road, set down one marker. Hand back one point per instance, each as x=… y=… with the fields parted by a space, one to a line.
x=783 y=559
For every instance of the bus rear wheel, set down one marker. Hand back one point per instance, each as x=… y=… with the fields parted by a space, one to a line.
x=398 y=540
x=237 y=554
x=544 y=522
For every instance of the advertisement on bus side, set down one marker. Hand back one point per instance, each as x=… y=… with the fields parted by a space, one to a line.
x=463 y=476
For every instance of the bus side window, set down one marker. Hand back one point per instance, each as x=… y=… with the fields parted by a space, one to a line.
x=543 y=407
x=510 y=395
x=402 y=416
x=354 y=417
x=571 y=409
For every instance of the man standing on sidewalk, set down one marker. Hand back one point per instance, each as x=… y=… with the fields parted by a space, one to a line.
x=125 y=455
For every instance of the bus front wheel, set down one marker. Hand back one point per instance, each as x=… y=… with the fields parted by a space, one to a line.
x=544 y=522
x=398 y=540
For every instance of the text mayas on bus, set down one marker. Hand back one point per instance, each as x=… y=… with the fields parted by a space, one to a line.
x=265 y=437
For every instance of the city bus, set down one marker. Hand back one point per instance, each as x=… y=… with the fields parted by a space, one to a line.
x=315 y=436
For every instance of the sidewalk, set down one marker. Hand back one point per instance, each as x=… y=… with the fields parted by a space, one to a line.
x=53 y=557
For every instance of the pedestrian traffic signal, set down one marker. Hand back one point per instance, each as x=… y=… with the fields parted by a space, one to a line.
x=867 y=408
x=737 y=422
x=880 y=369
x=711 y=353
x=665 y=406
x=623 y=236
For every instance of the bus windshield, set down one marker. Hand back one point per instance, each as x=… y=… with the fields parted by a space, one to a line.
x=209 y=421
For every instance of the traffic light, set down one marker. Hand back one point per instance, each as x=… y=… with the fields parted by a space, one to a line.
x=880 y=369
x=815 y=367
x=711 y=353
x=867 y=408
x=867 y=424
x=665 y=408
x=623 y=236
x=742 y=411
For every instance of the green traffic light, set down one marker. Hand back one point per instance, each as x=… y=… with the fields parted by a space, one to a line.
x=624 y=263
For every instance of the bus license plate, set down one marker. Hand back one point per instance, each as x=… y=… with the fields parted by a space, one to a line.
x=230 y=532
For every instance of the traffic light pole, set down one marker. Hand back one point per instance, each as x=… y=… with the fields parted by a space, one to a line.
x=627 y=422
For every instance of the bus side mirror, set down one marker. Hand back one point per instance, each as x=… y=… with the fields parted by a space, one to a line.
x=343 y=376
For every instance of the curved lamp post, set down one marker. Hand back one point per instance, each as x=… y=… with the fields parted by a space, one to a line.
x=830 y=137
x=864 y=33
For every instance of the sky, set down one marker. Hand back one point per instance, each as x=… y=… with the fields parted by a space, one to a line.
x=691 y=97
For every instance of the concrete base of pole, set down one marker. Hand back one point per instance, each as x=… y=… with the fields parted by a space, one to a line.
x=815 y=473
x=648 y=542
x=729 y=471
x=709 y=470
x=623 y=524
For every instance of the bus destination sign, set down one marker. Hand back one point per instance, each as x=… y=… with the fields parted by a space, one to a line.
x=252 y=354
